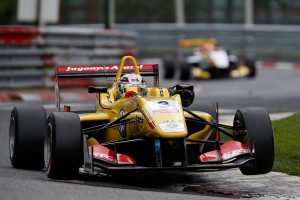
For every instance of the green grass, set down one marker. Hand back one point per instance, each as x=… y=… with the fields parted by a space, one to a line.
x=287 y=144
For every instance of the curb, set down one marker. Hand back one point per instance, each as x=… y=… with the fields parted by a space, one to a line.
x=278 y=65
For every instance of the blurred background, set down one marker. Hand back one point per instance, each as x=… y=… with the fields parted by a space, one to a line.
x=36 y=35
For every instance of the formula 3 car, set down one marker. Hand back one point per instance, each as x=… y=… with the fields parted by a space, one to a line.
x=152 y=131
x=208 y=61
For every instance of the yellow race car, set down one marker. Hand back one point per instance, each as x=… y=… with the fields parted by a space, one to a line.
x=137 y=128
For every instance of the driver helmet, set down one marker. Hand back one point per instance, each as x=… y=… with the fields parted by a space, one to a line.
x=131 y=82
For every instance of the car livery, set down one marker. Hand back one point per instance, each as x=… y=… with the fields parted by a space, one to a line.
x=151 y=132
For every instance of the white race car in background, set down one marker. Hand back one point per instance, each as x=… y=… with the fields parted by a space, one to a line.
x=208 y=61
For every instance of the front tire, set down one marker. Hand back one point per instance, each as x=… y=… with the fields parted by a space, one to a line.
x=26 y=136
x=257 y=123
x=63 y=148
x=250 y=63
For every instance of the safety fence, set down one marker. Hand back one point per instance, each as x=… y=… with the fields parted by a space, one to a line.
x=28 y=54
x=264 y=42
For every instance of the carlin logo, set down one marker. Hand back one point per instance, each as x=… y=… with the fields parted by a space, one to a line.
x=122 y=126
x=171 y=125
x=135 y=80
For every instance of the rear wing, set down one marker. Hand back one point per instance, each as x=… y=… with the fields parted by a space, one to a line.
x=186 y=43
x=100 y=71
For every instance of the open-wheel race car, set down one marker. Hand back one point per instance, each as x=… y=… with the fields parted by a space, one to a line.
x=137 y=128
x=207 y=61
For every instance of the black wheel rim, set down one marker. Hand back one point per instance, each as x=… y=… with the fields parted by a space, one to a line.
x=12 y=137
x=48 y=147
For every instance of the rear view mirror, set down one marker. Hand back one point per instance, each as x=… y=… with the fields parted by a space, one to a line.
x=101 y=89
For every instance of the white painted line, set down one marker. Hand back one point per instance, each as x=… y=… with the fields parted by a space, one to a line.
x=277 y=116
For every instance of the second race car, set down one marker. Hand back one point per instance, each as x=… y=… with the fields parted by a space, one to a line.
x=208 y=61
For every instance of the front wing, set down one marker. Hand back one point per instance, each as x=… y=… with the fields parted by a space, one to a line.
x=107 y=159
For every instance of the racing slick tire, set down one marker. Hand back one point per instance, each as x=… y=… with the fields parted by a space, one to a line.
x=63 y=147
x=257 y=123
x=185 y=71
x=250 y=63
x=26 y=136
x=209 y=108
x=169 y=66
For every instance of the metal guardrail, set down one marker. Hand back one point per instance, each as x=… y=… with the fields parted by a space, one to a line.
x=265 y=42
x=27 y=54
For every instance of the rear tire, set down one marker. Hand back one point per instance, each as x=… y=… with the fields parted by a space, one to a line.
x=259 y=130
x=26 y=136
x=169 y=66
x=185 y=71
x=63 y=148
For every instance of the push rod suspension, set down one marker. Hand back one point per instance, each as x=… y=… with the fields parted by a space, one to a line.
x=213 y=124
x=112 y=123
x=98 y=127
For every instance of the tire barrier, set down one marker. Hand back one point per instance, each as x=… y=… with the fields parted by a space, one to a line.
x=28 y=54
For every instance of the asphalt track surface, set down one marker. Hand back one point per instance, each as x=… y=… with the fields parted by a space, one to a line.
x=276 y=90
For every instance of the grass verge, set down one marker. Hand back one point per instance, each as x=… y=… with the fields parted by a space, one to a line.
x=287 y=145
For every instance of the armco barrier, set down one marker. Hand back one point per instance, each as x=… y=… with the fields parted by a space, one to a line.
x=276 y=43
x=28 y=54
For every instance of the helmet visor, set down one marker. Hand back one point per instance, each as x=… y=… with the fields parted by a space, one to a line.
x=137 y=90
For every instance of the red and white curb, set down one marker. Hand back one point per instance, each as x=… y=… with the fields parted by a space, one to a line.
x=35 y=97
x=278 y=65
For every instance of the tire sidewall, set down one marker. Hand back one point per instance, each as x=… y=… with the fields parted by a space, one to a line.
x=27 y=124
x=260 y=133
x=66 y=148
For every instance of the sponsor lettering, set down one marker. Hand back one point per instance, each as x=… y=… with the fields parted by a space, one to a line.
x=171 y=125
x=161 y=111
x=103 y=156
x=134 y=80
x=202 y=157
x=100 y=68
x=97 y=68
x=233 y=153
x=172 y=121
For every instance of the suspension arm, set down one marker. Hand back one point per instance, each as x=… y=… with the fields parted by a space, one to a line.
x=213 y=124
x=112 y=123
x=100 y=127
